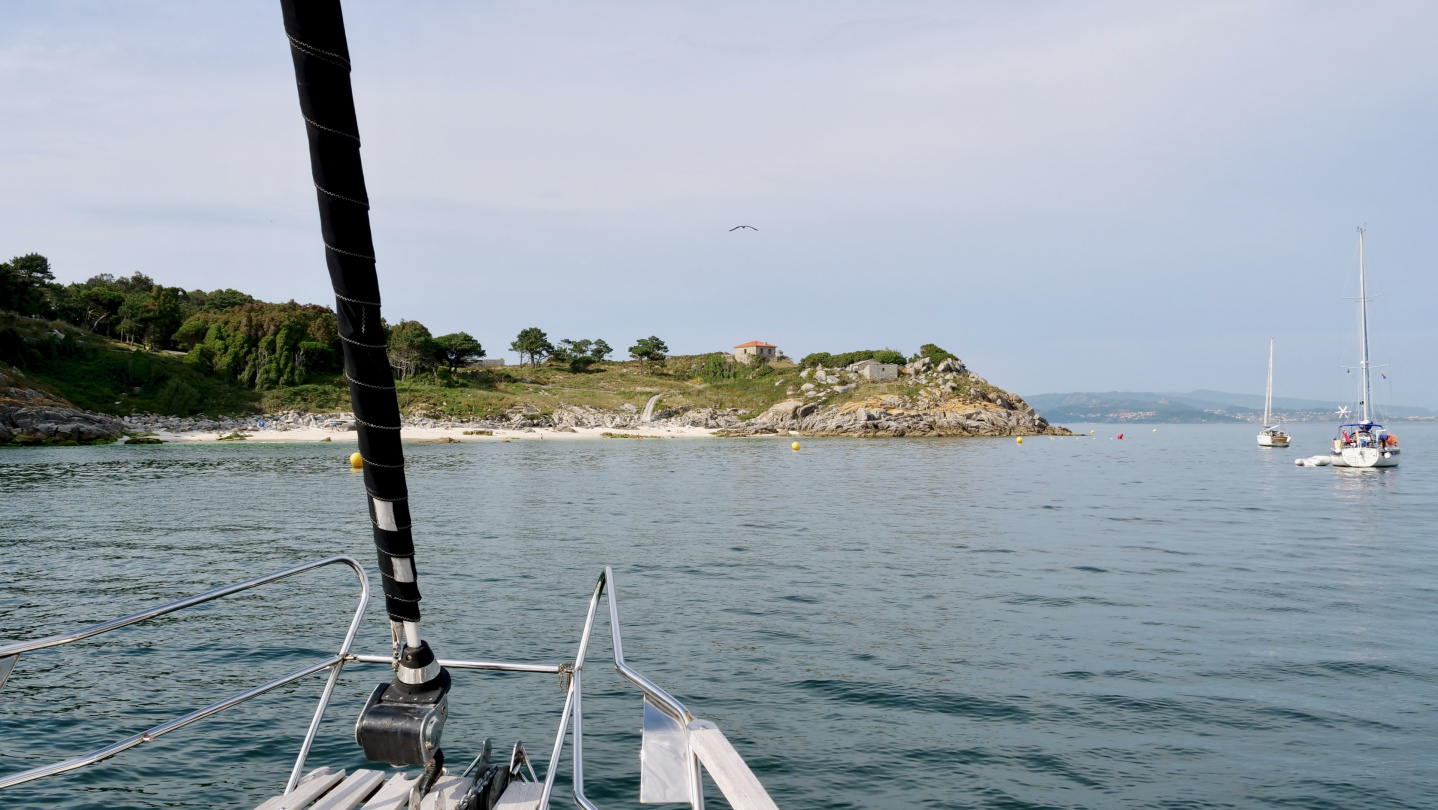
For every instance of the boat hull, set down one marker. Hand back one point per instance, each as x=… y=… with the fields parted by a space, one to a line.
x=1365 y=457
x=1265 y=440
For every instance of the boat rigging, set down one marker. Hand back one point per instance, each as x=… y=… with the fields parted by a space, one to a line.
x=1271 y=435
x=1364 y=443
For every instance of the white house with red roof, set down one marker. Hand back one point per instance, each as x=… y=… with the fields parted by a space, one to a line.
x=754 y=351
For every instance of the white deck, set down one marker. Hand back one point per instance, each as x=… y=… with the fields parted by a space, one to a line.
x=324 y=789
x=727 y=768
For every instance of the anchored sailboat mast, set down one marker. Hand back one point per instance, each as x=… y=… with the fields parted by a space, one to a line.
x=1268 y=393
x=1363 y=328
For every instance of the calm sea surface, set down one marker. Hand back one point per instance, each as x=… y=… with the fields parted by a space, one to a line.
x=1174 y=620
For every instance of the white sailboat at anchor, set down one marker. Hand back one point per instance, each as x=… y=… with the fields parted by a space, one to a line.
x=1272 y=435
x=1364 y=443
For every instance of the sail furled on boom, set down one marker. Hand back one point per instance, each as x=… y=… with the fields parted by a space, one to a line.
x=322 y=71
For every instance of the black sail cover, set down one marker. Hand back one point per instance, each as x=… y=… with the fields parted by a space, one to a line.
x=322 y=70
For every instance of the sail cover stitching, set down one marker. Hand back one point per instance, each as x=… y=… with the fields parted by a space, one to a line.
x=348 y=253
x=346 y=199
x=310 y=50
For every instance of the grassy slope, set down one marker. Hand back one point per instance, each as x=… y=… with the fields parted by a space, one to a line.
x=102 y=375
x=99 y=374
x=608 y=386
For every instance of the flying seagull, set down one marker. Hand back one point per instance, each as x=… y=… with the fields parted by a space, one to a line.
x=737 y=227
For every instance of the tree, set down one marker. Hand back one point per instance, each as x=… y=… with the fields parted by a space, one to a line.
x=411 y=348
x=581 y=354
x=262 y=345
x=458 y=349
x=24 y=281
x=534 y=343
x=101 y=306
x=153 y=316
x=139 y=282
x=226 y=299
x=646 y=349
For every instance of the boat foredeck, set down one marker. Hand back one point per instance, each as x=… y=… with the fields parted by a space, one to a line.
x=326 y=789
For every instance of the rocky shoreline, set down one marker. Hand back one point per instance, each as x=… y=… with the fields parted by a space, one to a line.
x=895 y=416
x=951 y=401
x=943 y=399
x=29 y=417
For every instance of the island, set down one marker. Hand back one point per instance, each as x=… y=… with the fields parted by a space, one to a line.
x=130 y=359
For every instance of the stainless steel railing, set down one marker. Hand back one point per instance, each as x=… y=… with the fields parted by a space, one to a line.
x=573 y=702
x=11 y=652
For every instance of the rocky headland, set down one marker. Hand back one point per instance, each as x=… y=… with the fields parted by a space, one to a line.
x=924 y=398
x=30 y=416
x=943 y=399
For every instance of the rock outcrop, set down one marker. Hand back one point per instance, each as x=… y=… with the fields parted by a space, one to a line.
x=29 y=416
x=584 y=416
x=947 y=400
x=895 y=416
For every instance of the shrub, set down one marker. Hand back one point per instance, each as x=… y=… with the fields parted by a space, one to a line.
x=262 y=345
x=178 y=399
x=840 y=360
x=935 y=354
x=717 y=367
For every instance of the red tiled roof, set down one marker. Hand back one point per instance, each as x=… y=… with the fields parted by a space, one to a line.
x=756 y=343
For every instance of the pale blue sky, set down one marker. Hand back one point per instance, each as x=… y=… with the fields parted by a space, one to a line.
x=1070 y=196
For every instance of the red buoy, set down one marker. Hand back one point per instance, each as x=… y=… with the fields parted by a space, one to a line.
x=1120 y=435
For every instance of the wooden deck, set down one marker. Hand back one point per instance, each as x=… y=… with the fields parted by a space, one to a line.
x=324 y=789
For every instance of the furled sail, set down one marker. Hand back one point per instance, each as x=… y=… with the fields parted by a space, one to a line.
x=322 y=70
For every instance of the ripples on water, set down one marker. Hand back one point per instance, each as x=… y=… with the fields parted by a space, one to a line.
x=1177 y=620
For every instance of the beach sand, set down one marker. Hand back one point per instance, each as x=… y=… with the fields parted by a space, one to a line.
x=437 y=434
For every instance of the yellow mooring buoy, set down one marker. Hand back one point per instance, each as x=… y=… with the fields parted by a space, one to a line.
x=1090 y=433
x=1020 y=440
x=1155 y=430
x=357 y=461
x=795 y=446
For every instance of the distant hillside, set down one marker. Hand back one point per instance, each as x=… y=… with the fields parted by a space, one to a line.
x=1122 y=406
x=1195 y=407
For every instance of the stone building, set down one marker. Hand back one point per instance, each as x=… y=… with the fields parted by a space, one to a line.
x=876 y=372
x=755 y=350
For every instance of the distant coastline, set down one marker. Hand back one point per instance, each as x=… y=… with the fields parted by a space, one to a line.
x=1198 y=407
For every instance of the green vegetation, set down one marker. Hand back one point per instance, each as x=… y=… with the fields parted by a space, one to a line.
x=579 y=355
x=934 y=353
x=99 y=374
x=534 y=343
x=129 y=345
x=262 y=346
x=457 y=349
x=411 y=348
x=25 y=282
x=648 y=350
x=840 y=360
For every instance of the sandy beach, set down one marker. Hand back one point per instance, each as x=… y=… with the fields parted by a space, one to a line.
x=455 y=433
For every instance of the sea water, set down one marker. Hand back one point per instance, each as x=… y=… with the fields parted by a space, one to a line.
x=1177 y=619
